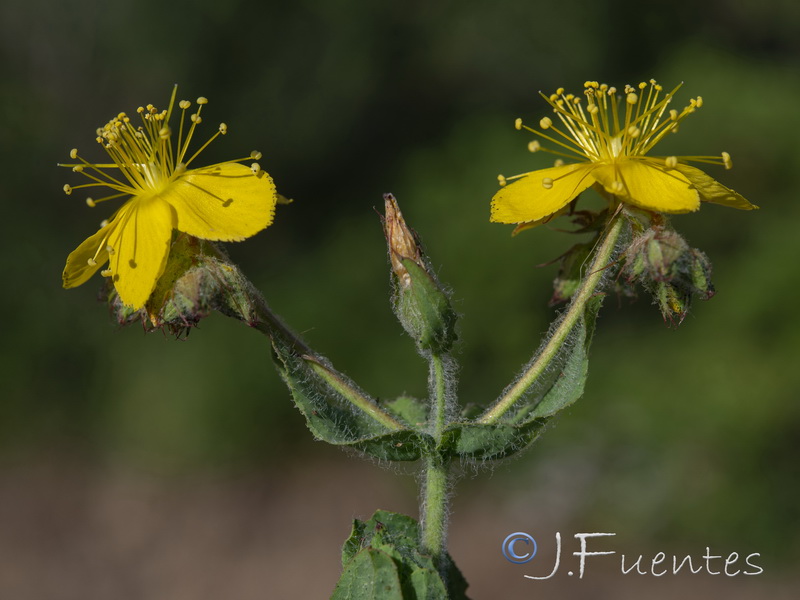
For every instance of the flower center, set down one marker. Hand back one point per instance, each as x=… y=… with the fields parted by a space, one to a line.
x=144 y=159
x=609 y=127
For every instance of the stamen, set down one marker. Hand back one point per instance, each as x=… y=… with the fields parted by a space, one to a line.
x=255 y=155
x=501 y=180
x=547 y=183
x=534 y=146
x=545 y=123
x=67 y=189
x=518 y=124
x=223 y=128
x=91 y=262
x=106 y=272
x=726 y=160
x=73 y=154
x=255 y=167
x=671 y=162
x=90 y=203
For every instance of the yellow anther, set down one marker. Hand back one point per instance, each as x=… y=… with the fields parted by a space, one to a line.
x=67 y=189
x=699 y=101
x=643 y=85
x=612 y=91
x=534 y=146
x=603 y=87
x=617 y=187
x=632 y=98
x=164 y=133
x=110 y=250
x=91 y=262
x=255 y=168
x=90 y=203
x=202 y=100
x=518 y=124
x=255 y=155
x=560 y=91
x=629 y=89
x=547 y=183
x=140 y=110
x=77 y=169
x=673 y=114
x=545 y=123
x=553 y=97
x=184 y=104
x=633 y=131
x=73 y=154
x=652 y=82
x=593 y=109
x=671 y=162
x=103 y=223
x=558 y=162
x=106 y=272
x=196 y=118
x=501 y=180
x=223 y=128
x=726 y=160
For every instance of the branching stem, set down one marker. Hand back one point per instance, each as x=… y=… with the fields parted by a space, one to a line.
x=602 y=257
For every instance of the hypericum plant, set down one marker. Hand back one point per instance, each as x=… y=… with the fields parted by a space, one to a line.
x=166 y=271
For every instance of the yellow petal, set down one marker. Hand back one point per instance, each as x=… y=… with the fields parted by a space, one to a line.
x=711 y=190
x=226 y=202
x=140 y=240
x=650 y=185
x=78 y=270
x=527 y=199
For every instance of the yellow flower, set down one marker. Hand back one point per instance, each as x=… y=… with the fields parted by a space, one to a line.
x=227 y=201
x=610 y=137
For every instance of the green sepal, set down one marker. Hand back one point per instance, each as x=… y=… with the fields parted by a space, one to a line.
x=424 y=310
x=319 y=393
x=384 y=550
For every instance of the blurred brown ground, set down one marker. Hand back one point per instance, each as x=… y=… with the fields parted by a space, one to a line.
x=71 y=531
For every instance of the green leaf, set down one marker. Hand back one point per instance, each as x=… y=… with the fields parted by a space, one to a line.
x=371 y=575
x=520 y=426
x=411 y=411
x=397 y=537
x=490 y=442
x=339 y=413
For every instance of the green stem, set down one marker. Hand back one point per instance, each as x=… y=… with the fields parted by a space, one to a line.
x=434 y=507
x=569 y=318
x=439 y=385
x=435 y=497
x=346 y=390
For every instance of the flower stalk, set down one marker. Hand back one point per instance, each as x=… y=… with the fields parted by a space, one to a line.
x=589 y=286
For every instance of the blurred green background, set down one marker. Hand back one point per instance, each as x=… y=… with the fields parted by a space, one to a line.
x=133 y=465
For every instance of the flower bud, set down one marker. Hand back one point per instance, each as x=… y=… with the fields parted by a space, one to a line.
x=666 y=266
x=420 y=303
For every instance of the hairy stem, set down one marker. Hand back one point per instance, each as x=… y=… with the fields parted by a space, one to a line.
x=602 y=256
x=435 y=498
x=272 y=326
